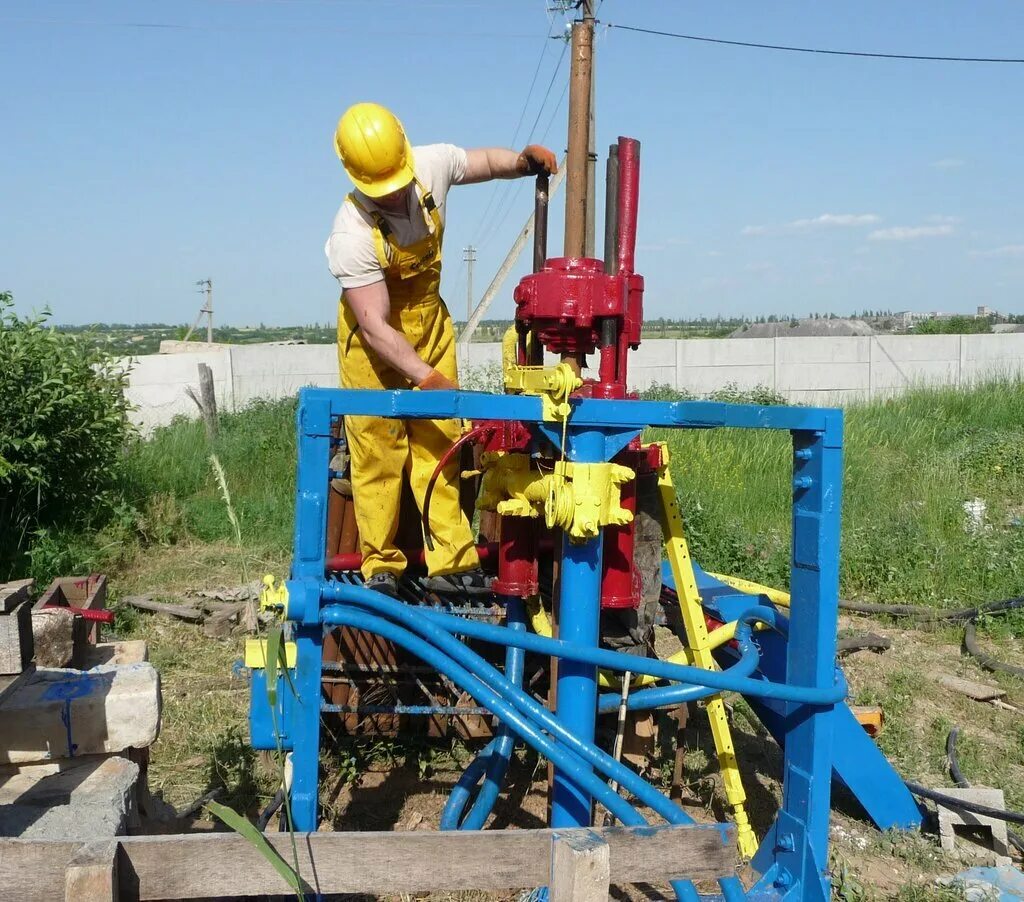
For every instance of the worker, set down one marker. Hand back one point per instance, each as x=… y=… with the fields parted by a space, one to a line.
x=394 y=331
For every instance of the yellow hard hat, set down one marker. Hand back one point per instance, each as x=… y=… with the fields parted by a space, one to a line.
x=371 y=142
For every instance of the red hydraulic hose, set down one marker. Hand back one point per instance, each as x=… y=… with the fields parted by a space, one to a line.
x=470 y=436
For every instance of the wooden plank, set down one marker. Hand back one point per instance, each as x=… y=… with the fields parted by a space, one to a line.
x=980 y=692
x=580 y=869
x=203 y=865
x=147 y=604
x=33 y=871
x=91 y=874
x=223 y=864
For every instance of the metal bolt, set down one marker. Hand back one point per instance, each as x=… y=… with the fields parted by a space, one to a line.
x=783 y=879
x=803 y=482
x=803 y=454
x=786 y=842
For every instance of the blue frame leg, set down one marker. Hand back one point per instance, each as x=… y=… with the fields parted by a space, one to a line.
x=314 y=450
x=794 y=855
x=578 y=622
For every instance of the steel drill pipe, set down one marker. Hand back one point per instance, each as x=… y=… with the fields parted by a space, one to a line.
x=540 y=222
x=579 y=139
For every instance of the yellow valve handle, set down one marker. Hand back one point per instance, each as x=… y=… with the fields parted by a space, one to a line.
x=274 y=596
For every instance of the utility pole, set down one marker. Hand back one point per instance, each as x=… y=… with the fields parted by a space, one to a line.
x=588 y=16
x=576 y=179
x=469 y=257
x=205 y=287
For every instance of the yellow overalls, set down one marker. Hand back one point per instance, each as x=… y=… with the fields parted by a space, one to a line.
x=381 y=448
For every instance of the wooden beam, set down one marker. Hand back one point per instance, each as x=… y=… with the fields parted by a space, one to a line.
x=580 y=869
x=188 y=612
x=91 y=874
x=204 y=865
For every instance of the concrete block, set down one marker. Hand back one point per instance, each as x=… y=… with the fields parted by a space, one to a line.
x=66 y=713
x=950 y=818
x=82 y=593
x=82 y=799
x=14 y=593
x=131 y=651
x=16 y=638
x=54 y=635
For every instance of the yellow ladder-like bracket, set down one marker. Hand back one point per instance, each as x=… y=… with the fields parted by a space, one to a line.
x=701 y=646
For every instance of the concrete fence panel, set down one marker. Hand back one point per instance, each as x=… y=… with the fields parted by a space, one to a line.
x=823 y=370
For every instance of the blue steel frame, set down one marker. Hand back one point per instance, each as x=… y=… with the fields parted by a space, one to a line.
x=793 y=859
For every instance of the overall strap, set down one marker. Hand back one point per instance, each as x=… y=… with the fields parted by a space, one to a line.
x=381 y=232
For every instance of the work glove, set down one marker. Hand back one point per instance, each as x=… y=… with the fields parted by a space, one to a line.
x=435 y=380
x=536 y=159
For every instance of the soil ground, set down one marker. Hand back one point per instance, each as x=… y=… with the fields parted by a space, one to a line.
x=388 y=785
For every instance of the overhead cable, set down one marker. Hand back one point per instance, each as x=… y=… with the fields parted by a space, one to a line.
x=790 y=49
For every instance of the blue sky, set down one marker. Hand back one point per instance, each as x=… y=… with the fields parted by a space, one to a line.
x=137 y=160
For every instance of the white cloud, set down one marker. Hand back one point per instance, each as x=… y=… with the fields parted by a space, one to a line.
x=1006 y=250
x=948 y=163
x=824 y=221
x=911 y=233
x=836 y=219
x=951 y=220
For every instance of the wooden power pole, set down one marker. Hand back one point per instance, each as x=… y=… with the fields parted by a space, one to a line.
x=580 y=71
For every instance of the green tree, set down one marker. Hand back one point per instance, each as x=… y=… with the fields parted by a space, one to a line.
x=63 y=431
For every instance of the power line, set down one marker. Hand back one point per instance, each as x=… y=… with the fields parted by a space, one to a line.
x=515 y=134
x=860 y=53
x=501 y=211
x=261 y=27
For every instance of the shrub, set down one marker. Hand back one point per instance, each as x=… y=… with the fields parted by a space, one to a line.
x=63 y=431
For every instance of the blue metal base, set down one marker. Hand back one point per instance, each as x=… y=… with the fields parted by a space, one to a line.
x=793 y=858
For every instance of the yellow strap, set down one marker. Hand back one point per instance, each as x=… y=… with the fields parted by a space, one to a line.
x=381 y=228
x=700 y=646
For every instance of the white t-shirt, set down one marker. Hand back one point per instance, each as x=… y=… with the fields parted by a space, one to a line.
x=351 y=252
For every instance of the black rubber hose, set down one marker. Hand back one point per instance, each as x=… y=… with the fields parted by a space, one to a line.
x=954 y=765
x=925 y=613
x=923 y=792
x=984 y=659
x=267 y=813
x=868 y=640
x=1016 y=840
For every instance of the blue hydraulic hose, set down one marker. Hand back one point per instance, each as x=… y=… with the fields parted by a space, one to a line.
x=617 y=661
x=484 y=673
x=494 y=760
x=666 y=696
x=446 y=664
x=557 y=754
x=678 y=694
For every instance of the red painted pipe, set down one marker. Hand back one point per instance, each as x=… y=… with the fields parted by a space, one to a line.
x=629 y=198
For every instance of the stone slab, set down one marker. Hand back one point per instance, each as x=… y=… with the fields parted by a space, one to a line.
x=950 y=818
x=82 y=799
x=67 y=713
x=130 y=651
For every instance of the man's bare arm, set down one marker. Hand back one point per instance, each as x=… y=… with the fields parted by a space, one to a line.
x=371 y=305
x=486 y=163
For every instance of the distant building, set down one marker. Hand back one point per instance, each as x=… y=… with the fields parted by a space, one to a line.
x=804 y=328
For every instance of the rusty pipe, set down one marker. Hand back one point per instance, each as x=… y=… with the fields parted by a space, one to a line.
x=629 y=197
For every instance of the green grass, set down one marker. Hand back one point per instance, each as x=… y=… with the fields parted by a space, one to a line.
x=172 y=481
x=910 y=464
